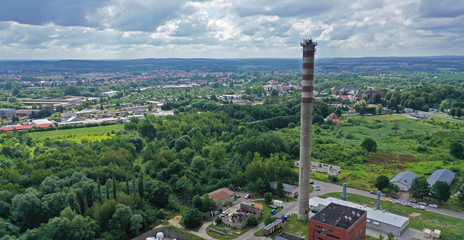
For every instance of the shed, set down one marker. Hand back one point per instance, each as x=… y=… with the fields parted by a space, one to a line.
x=222 y=196
x=289 y=190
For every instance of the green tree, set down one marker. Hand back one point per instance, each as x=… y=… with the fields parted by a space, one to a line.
x=441 y=191
x=318 y=119
x=26 y=209
x=461 y=196
x=381 y=182
x=252 y=220
x=193 y=218
x=420 y=187
x=369 y=144
x=157 y=193
x=197 y=202
x=280 y=189
x=71 y=226
x=208 y=204
x=123 y=223
x=147 y=129
x=390 y=236
x=268 y=198
x=456 y=149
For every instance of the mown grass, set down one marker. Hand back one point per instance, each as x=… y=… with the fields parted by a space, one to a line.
x=231 y=233
x=297 y=227
x=78 y=134
x=451 y=227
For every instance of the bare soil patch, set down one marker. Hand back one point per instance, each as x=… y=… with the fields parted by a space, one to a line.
x=391 y=160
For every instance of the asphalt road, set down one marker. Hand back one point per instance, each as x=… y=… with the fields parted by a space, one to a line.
x=330 y=187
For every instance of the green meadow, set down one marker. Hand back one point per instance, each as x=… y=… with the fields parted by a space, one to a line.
x=78 y=134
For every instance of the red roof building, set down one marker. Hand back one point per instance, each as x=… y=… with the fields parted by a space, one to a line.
x=9 y=128
x=222 y=196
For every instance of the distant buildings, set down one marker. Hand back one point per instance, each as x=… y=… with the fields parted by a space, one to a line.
x=404 y=180
x=444 y=175
x=337 y=221
x=7 y=113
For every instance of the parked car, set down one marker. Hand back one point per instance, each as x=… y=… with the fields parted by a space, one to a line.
x=248 y=196
x=311 y=182
x=223 y=214
x=422 y=203
x=395 y=197
x=237 y=195
x=373 y=192
x=433 y=205
x=408 y=204
x=412 y=200
x=398 y=202
x=388 y=200
x=420 y=207
x=317 y=187
x=382 y=194
x=314 y=210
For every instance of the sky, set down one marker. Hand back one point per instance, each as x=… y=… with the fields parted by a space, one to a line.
x=131 y=29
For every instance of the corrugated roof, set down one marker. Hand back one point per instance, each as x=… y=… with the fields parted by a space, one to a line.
x=405 y=178
x=220 y=194
x=441 y=175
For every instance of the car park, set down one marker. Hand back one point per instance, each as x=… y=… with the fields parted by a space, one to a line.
x=422 y=203
x=433 y=205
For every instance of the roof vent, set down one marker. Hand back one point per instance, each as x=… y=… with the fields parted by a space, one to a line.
x=353 y=213
x=350 y=218
x=357 y=214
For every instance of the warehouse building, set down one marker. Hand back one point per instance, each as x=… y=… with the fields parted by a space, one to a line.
x=444 y=175
x=376 y=219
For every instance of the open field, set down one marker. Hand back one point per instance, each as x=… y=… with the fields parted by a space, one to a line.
x=418 y=219
x=78 y=134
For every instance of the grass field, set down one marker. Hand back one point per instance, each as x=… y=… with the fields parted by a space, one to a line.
x=451 y=227
x=78 y=134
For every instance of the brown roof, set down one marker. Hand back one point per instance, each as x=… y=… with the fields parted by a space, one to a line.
x=220 y=194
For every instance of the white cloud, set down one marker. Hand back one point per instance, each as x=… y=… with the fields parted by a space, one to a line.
x=222 y=28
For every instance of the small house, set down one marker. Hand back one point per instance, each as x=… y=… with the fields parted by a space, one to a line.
x=444 y=175
x=404 y=180
x=290 y=191
x=222 y=196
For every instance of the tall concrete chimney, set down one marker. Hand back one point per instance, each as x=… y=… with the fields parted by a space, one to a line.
x=344 y=192
x=309 y=48
x=377 y=206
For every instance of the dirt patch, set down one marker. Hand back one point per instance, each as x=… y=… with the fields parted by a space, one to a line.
x=414 y=214
x=175 y=222
x=391 y=160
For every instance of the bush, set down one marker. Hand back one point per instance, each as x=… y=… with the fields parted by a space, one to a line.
x=268 y=220
x=193 y=218
x=268 y=198
x=218 y=220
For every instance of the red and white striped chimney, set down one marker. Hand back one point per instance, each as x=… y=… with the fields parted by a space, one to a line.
x=307 y=98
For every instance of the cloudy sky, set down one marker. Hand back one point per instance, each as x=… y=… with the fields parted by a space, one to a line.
x=124 y=29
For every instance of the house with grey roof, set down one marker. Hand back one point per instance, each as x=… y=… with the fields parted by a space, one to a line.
x=404 y=180
x=444 y=175
x=289 y=190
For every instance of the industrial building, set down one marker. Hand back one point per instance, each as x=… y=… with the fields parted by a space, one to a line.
x=379 y=220
x=337 y=221
x=7 y=113
x=404 y=180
